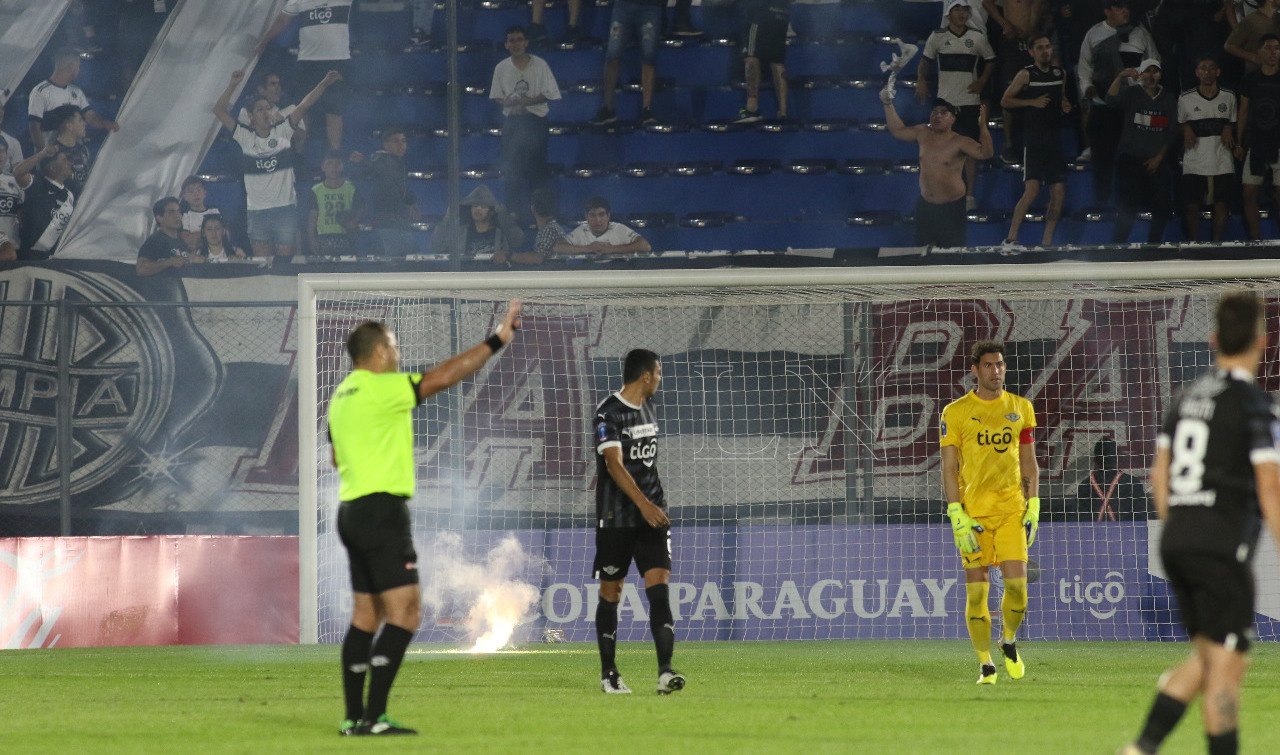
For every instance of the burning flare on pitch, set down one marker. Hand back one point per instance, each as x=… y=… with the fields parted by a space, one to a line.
x=488 y=596
x=498 y=610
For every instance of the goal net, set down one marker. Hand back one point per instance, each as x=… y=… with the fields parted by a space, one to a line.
x=798 y=442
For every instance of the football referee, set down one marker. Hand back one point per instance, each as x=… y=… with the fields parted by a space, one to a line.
x=1216 y=473
x=371 y=431
x=631 y=519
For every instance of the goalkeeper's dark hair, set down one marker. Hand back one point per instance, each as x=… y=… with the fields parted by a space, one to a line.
x=365 y=338
x=1238 y=318
x=637 y=363
x=982 y=348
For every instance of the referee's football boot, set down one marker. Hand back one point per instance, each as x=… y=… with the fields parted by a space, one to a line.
x=385 y=726
x=988 y=674
x=1012 y=660
x=612 y=684
x=670 y=681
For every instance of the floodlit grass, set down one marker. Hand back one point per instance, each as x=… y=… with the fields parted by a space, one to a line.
x=904 y=696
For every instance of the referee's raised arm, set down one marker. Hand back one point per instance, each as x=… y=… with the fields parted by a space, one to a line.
x=463 y=365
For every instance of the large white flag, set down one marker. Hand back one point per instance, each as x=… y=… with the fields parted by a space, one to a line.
x=25 y=28
x=166 y=124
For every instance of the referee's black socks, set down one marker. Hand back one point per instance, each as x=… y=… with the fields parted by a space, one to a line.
x=355 y=664
x=388 y=651
x=1226 y=743
x=607 y=635
x=662 y=624
x=1165 y=713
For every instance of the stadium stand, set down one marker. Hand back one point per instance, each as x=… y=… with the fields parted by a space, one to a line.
x=833 y=177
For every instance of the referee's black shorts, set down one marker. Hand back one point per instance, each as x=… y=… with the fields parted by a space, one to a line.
x=1215 y=595
x=617 y=546
x=375 y=531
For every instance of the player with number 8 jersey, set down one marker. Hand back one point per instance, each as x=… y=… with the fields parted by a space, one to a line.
x=1216 y=477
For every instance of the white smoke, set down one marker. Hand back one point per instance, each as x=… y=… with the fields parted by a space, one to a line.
x=488 y=596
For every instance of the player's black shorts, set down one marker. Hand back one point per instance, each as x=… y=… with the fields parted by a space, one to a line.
x=334 y=100
x=766 y=35
x=1209 y=189
x=1044 y=163
x=1215 y=595
x=616 y=546
x=375 y=530
x=967 y=121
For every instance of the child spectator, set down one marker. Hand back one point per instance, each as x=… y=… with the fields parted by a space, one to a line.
x=194 y=210
x=67 y=123
x=331 y=219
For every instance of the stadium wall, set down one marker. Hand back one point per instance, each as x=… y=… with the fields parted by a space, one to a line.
x=173 y=590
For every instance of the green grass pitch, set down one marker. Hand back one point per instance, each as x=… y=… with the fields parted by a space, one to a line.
x=858 y=696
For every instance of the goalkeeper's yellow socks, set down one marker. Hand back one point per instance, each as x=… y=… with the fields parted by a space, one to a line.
x=1013 y=606
x=978 y=619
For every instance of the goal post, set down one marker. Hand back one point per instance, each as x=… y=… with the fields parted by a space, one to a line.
x=798 y=440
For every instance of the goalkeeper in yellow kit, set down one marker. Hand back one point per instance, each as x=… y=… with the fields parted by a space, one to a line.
x=990 y=477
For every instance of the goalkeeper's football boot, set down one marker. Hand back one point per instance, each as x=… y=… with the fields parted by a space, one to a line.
x=988 y=674
x=349 y=728
x=385 y=726
x=612 y=684
x=670 y=681
x=1012 y=660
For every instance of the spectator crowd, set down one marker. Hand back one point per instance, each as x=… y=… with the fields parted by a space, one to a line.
x=1172 y=104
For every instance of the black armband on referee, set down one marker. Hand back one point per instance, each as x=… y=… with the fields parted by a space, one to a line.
x=494 y=342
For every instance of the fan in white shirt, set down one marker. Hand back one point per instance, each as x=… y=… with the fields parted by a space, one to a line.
x=599 y=235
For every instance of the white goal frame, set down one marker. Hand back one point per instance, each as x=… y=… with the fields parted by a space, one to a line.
x=937 y=278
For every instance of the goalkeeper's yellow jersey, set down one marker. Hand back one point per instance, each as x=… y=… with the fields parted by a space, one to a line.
x=988 y=435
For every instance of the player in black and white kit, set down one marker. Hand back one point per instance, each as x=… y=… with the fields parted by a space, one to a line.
x=631 y=518
x=1217 y=469
x=1038 y=91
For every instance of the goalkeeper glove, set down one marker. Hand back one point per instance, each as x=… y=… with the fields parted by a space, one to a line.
x=1031 y=519
x=963 y=528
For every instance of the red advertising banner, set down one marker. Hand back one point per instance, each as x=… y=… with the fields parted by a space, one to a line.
x=155 y=590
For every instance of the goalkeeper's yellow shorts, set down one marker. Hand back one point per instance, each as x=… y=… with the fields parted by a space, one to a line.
x=1002 y=539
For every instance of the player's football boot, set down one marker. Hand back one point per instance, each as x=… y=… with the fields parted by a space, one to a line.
x=1012 y=660
x=670 y=681
x=612 y=684
x=349 y=728
x=385 y=726
x=988 y=674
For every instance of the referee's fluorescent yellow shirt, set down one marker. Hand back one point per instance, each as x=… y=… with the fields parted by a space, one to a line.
x=371 y=428
x=988 y=435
